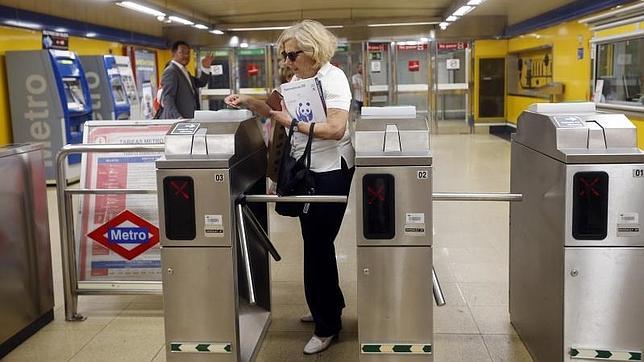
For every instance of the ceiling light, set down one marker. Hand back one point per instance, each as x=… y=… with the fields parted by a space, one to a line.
x=23 y=24
x=177 y=19
x=463 y=10
x=91 y=35
x=201 y=26
x=216 y=32
x=451 y=18
x=475 y=2
x=60 y=30
x=403 y=24
x=443 y=25
x=260 y=28
x=243 y=45
x=140 y=8
x=334 y=26
x=234 y=41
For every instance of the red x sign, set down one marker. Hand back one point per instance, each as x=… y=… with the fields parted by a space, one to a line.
x=179 y=188
x=373 y=194
x=589 y=186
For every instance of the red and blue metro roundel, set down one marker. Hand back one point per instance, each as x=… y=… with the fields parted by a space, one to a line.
x=127 y=234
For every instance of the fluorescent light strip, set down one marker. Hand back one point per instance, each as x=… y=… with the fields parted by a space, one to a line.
x=261 y=28
x=140 y=8
x=180 y=20
x=463 y=10
x=475 y=2
x=23 y=24
x=402 y=24
x=443 y=25
x=201 y=26
x=265 y=28
x=451 y=18
x=216 y=32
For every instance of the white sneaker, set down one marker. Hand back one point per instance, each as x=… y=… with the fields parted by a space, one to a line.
x=307 y=319
x=317 y=344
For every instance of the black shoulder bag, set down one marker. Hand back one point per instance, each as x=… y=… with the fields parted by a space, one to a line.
x=295 y=176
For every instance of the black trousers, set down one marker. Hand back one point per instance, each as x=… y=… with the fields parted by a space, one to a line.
x=320 y=226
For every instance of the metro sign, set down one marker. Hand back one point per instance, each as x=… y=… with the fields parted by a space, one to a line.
x=126 y=228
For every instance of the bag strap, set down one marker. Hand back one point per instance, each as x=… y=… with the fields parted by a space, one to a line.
x=307 y=150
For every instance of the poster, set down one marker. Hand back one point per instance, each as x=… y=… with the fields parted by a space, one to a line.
x=118 y=170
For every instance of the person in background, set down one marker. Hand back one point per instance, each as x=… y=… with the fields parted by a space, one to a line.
x=357 y=82
x=306 y=48
x=180 y=96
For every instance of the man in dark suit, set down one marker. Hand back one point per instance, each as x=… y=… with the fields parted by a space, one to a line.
x=180 y=95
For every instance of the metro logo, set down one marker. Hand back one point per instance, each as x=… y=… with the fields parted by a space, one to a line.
x=112 y=235
x=128 y=235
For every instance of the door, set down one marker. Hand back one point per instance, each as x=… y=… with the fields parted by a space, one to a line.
x=412 y=67
x=452 y=82
x=492 y=88
x=379 y=84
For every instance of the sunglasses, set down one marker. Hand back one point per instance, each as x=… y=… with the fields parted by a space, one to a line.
x=292 y=56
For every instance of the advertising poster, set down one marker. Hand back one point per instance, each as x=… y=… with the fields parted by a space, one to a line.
x=118 y=233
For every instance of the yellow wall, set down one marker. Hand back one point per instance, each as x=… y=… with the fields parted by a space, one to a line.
x=567 y=69
x=21 y=39
x=85 y=46
x=485 y=49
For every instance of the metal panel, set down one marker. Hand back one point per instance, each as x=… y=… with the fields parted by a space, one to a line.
x=395 y=299
x=417 y=202
x=199 y=300
x=604 y=299
x=625 y=195
x=213 y=186
x=26 y=291
x=537 y=252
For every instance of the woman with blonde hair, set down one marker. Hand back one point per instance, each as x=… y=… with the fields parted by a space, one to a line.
x=307 y=48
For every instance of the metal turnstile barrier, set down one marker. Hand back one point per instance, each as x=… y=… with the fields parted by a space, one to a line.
x=576 y=247
x=394 y=239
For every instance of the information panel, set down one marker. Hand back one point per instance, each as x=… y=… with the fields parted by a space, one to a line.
x=106 y=250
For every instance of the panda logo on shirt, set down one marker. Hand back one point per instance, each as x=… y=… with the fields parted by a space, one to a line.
x=304 y=112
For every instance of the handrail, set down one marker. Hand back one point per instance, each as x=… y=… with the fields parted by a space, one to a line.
x=480 y=196
x=66 y=217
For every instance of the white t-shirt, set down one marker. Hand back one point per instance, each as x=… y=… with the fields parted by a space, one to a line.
x=326 y=154
x=358 y=86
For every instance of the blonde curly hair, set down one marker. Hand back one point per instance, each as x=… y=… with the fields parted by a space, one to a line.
x=311 y=37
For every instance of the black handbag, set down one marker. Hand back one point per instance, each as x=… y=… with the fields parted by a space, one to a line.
x=295 y=176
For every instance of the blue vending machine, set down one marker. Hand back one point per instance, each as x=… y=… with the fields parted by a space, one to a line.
x=50 y=102
x=109 y=98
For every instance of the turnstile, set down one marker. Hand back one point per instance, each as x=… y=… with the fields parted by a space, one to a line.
x=394 y=239
x=576 y=248
x=216 y=275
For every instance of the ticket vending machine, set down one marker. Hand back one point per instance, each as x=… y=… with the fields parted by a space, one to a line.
x=127 y=77
x=394 y=239
x=109 y=99
x=50 y=101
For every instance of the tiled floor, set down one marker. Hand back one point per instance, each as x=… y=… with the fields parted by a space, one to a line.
x=470 y=256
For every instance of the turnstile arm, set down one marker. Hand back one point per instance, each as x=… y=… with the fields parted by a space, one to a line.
x=265 y=240
x=438 y=291
x=241 y=230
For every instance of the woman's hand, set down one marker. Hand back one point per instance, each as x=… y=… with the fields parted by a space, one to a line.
x=281 y=117
x=237 y=100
